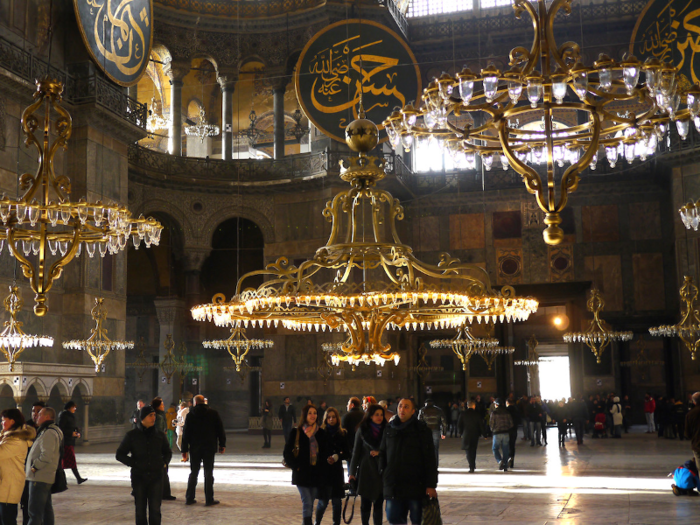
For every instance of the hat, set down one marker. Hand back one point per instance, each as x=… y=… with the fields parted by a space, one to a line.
x=146 y=411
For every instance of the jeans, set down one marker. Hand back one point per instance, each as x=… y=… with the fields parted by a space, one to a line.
x=267 y=436
x=437 y=435
x=323 y=505
x=40 y=508
x=308 y=495
x=197 y=458
x=500 y=443
x=526 y=430
x=148 y=496
x=580 y=429
x=366 y=505
x=650 y=421
x=398 y=510
x=535 y=432
x=8 y=513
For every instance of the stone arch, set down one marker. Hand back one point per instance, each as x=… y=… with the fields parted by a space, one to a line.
x=6 y=383
x=39 y=386
x=193 y=107
x=62 y=386
x=162 y=51
x=252 y=58
x=175 y=212
x=84 y=389
x=258 y=217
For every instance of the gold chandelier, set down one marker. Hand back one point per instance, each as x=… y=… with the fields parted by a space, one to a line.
x=202 y=129
x=364 y=280
x=155 y=121
x=238 y=345
x=342 y=352
x=13 y=341
x=598 y=335
x=565 y=89
x=533 y=357
x=98 y=345
x=465 y=345
x=37 y=224
x=688 y=328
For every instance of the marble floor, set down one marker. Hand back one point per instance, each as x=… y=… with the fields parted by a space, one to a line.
x=601 y=482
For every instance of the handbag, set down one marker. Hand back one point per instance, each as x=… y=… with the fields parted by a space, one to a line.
x=60 y=484
x=295 y=451
x=431 y=512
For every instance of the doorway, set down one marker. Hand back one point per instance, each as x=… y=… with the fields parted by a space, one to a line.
x=555 y=377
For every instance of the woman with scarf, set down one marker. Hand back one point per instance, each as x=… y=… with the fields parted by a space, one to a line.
x=15 y=440
x=306 y=453
x=365 y=465
x=335 y=476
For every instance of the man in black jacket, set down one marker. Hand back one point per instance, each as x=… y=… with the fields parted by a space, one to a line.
x=203 y=436
x=147 y=452
x=136 y=413
x=501 y=423
x=407 y=462
x=351 y=420
x=287 y=416
x=471 y=427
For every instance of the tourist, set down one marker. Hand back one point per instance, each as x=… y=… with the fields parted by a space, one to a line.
x=434 y=418
x=679 y=413
x=545 y=419
x=649 y=409
x=135 y=414
x=471 y=427
x=145 y=450
x=627 y=413
x=351 y=420
x=322 y=407
x=15 y=440
x=616 y=413
x=365 y=464
x=367 y=401
x=407 y=461
x=288 y=416
x=692 y=427
x=305 y=453
x=513 y=432
x=162 y=426
x=561 y=416
x=534 y=417
x=180 y=422
x=40 y=467
x=266 y=423
x=170 y=417
x=66 y=422
x=523 y=406
x=454 y=419
x=24 y=503
x=501 y=422
x=203 y=437
x=579 y=413
x=337 y=450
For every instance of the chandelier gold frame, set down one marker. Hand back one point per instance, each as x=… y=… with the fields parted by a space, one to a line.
x=365 y=280
x=688 y=328
x=604 y=93
x=36 y=223
x=533 y=357
x=202 y=129
x=238 y=345
x=598 y=335
x=465 y=345
x=98 y=345
x=13 y=341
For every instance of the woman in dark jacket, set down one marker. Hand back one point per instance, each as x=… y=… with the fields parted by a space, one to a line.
x=309 y=464
x=267 y=424
x=365 y=464
x=335 y=475
x=66 y=422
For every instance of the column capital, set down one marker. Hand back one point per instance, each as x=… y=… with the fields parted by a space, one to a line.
x=176 y=70
x=43 y=399
x=86 y=399
x=227 y=80
x=65 y=399
x=19 y=400
x=168 y=309
x=195 y=257
x=279 y=83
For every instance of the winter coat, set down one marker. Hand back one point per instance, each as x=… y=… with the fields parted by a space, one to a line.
x=14 y=445
x=365 y=467
x=304 y=474
x=561 y=416
x=266 y=418
x=515 y=414
x=170 y=416
x=434 y=417
x=146 y=451
x=66 y=422
x=204 y=431
x=534 y=412
x=351 y=420
x=692 y=428
x=287 y=414
x=616 y=412
x=180 y=422
x=470 y=426
x=44 y=454
x=407 y=459
x=501 y=421
x=649 y=405
x=335 y=475
x=161 y=425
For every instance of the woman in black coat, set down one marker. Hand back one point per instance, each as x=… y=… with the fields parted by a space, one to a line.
x=365 y=464
x=306 y=453
x=335 y=475
x=67 y=424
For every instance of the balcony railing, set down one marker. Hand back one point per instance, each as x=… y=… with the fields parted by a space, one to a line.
x=77 y=89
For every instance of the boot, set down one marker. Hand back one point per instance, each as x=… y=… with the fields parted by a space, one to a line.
x=307 y=521
x=77 y=476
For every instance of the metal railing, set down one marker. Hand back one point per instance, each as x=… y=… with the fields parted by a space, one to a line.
x=77 y=89
x=397 y=15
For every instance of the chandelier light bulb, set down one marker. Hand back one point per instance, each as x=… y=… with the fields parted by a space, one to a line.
x=558 y=90
x=605 y=78
x=630 y=76
x=535 y=91
x=683 y=126
x=581 y=84
x=611 y=153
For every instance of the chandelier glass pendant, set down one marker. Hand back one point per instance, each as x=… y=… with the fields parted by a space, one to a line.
x=43 y=229
x=202 y=129
x=586 y=113
x=238 y=345
x=98 y=345
x=465 y=345
x=13 y=341
x=337 y=355
x=598 y=335
x=172 y=363
x=141 y=364
x=688 y=328
x=365 y=280
x=690 y=214
x=155 y=121
x=533 y=357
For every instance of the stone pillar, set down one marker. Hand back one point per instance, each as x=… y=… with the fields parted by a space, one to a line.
x=175 y=71
x=228 y=85
x=194 y=259
x=279 y=86
x=133 y=91
x=86 y=419
x=171 y=316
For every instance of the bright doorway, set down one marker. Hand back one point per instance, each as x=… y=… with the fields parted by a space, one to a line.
x=555 y=377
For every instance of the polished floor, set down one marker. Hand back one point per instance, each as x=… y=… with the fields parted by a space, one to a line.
x=604 y=481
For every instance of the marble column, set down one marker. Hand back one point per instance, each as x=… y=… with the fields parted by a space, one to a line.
x=86 y=420
x=171 y=317
x=228 y=85
x=193 y=261
x=279 y=86
x=176 y=71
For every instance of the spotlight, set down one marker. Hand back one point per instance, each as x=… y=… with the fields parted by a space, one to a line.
x=560 y=322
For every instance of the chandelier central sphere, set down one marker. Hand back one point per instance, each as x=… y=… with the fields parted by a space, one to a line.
x=580 y=113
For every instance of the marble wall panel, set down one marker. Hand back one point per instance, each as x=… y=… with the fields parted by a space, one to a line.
x=467 y=231
x=561 y=263
x=605 y=271
x=644 y=220
x=507 y=224
x=426 y=234
x=600 y=223
x=509 y=263
x=648 y=269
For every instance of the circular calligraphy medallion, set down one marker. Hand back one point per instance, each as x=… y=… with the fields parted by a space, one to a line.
x=118 y=36
x=349 y=58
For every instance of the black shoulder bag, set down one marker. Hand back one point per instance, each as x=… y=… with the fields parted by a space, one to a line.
x=295 y=451
x=60 y=484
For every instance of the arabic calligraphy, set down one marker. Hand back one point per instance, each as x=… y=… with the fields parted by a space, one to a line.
x=118 y=35
x=669 y=30
x=368 y=63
